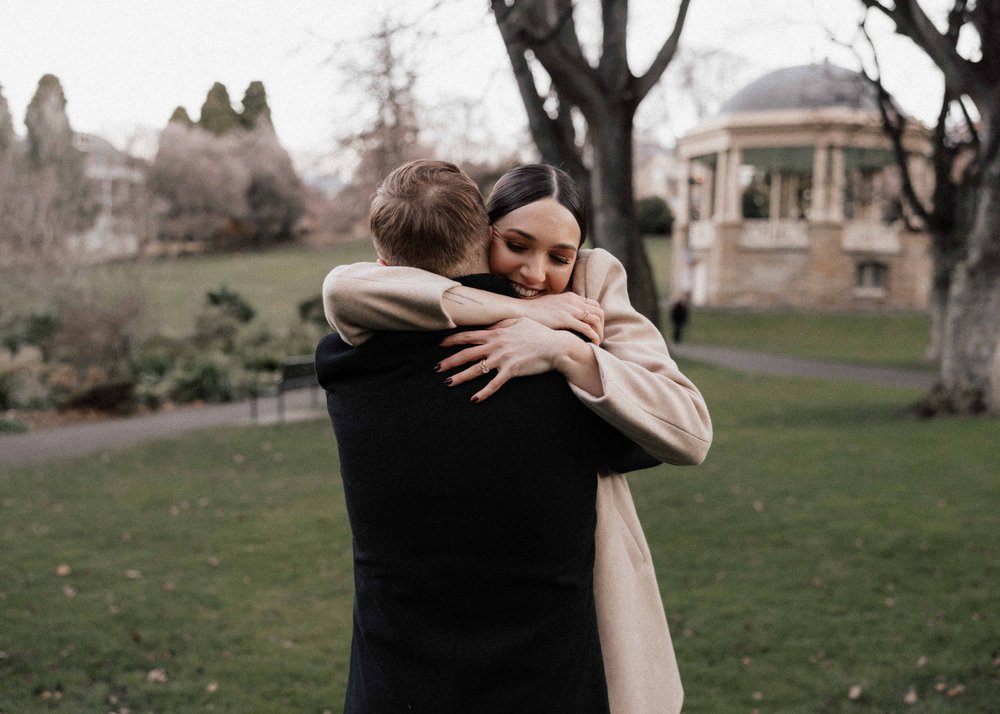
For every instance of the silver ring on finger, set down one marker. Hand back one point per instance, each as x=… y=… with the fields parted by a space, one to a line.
x=586 y=314
x=482 y=366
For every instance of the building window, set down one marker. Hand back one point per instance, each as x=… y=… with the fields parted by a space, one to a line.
x=871 y=279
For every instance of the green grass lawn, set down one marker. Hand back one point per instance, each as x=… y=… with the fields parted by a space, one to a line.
x=828 y=542
x=894 y=339
x=173 y=291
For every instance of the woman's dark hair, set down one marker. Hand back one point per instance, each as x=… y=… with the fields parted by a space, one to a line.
x=532 y=182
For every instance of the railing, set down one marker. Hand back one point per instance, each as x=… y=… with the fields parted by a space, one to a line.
x=870 y=237
x=765 y=234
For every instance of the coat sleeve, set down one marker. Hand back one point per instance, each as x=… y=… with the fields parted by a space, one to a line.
x=646 y=396
x=361 y=298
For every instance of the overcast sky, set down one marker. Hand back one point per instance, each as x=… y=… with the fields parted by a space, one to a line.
x=128 y=63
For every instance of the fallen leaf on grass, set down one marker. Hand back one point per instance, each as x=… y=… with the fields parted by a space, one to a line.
x=69 y=591
x=214 y=561
x=135 y=635
x=157 y=675
x=758 y=506
x=854 y=693
x=212 y=687
x=745 y=661
x=62 y=570
x=955 y=691
x=133 y=574
x=921 y=662
x=911 y=696
x=758 y=696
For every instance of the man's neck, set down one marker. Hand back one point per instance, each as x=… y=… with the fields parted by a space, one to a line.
x=470 y=267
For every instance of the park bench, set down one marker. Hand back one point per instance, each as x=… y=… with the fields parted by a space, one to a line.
x=296 y=373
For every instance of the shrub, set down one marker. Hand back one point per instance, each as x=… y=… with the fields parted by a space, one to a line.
x=206 y=378
x=12 y=425
x=91 y=333
x=311 y=311
x=114 y=396
x=654 y=216
x=231 y=303
x=8 y=390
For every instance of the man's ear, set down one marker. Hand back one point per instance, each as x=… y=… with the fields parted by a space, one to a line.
x=381 y=261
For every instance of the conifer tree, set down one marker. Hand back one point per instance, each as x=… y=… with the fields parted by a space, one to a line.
x=50 y=137
x=180 y=116
x=255 y=106
x=217 y=113
x=7 y=136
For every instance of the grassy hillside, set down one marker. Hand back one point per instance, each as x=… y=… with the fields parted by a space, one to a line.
x=274 y=282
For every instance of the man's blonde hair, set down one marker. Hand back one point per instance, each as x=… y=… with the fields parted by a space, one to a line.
x=429 y=214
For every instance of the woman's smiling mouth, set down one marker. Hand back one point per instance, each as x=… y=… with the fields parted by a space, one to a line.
x=523 y=292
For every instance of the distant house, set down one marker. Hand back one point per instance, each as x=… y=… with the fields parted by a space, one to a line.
x=117 y=182
x=655 y=171
x=791 y=199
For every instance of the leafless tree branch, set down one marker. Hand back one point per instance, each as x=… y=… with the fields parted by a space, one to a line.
x=664 y=56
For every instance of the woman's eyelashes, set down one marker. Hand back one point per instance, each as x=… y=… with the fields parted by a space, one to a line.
x=554 y=257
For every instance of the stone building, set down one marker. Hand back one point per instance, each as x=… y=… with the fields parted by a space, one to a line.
x=793 y=200
x=117 y=186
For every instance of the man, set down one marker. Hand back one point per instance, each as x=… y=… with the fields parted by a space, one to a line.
x=473 y=523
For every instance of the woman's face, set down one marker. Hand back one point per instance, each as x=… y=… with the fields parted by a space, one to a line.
x=534 y=247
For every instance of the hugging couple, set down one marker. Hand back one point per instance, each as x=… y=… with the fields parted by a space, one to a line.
x=489 y=385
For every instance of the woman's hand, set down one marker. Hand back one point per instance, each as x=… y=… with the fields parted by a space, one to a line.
x=518 y=348
x=568 y=311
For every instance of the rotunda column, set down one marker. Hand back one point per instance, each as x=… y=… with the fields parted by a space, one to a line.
x=837 y=185
x=720 y=182
x=820 y=185
x=683 y=216
x=732 y=185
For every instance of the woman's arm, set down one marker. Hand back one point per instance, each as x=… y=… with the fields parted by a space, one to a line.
x=361 y=298
x=518 y=348
x=644 y=394
x=630 y=381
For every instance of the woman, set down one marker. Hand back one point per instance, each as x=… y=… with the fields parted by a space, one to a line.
x=625 y=375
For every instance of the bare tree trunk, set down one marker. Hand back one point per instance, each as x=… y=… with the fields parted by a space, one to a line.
x=616 y=228
x=965 y=225
x=972 y=320
x=607 y=95
x=944 y=262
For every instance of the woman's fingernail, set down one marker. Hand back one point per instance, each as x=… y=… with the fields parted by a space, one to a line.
x=437 y=367
x=475 y=399
x=448 y=381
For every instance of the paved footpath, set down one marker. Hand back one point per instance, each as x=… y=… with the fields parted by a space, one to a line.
x=782 y=366
x=82 y=439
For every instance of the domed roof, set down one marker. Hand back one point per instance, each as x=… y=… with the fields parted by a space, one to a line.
x=808 y=86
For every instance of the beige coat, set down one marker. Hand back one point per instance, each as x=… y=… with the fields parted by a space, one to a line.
x=645 y=396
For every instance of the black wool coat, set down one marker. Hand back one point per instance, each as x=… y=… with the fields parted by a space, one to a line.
x=473 y=532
